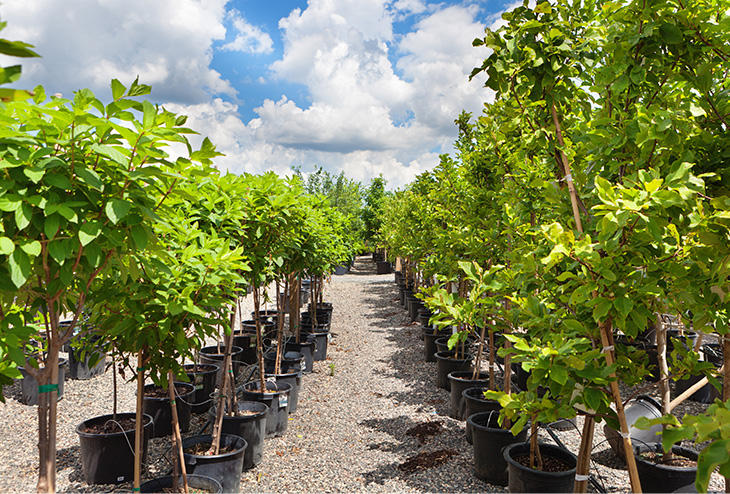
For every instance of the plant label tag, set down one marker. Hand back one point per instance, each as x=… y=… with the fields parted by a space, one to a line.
x=271 y=379
x=283 y=400
x=304 y=365
x=198 y=386
x=329 y=337
x=120 y=479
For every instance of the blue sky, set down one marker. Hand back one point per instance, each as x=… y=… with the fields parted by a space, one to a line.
x=367 y=87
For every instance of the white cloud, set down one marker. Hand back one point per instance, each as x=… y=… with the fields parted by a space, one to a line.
x=86 y=43
x=250 y=38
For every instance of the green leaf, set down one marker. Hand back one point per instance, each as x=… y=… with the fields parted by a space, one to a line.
x=6 y=246
x=90 y=178
x=559 y=374
x=34 y=174
x=671 y=34
x=623 y=305
x=149 y=112
x=713 y=455
x=50 y=226
x=117 y=209
x=600 y=310
x=139 y=236
x=109 y=152
x=31 y=248
x=117 y=89
x=89 y=231
x=23 y=216
x=20 y=267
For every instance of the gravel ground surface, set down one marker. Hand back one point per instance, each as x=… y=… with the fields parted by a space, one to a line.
x=351 y=431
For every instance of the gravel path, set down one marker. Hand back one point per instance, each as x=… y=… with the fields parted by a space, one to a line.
x=351 y=430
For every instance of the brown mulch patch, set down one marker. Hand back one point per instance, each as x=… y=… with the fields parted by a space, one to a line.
x=424 y=431
x=113 y=426
x=427 y=460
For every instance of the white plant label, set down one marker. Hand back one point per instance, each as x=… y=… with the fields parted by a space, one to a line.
x=329 y=337
x=283 y=400
x=120 y=479
x=271 y=379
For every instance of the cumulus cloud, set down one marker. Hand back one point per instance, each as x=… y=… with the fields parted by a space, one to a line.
x=86 y=43
x=249 y=38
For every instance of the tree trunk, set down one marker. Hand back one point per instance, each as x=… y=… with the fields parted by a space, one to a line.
x=583 y=469
x=259 y=339
x=178 y=458
x=138 y=427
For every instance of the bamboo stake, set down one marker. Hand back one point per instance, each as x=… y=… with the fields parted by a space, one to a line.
x=691 y=390
x=566 y=167
x=661 y=340
x=607 y=342
x=138 y=420
x=584 y=460
x=176 y=438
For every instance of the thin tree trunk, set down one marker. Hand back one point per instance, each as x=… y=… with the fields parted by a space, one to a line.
x=139 y=418
x=607 y=342
x=661 y=340
x=279 y=333
x=583 y=469
x=178 y=458
x=259 y=339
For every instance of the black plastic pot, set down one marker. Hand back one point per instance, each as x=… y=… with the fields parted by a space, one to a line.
x=109 y=458
x=290 y=362
x=247 y=343
x=642 y=406
x=268 y=328
x=459 y=382
x=424 y=315
x=276 y=398
x=251 y=426
x=226 y=467
x=525 y=479
x=429 y=342
x=713 y=353
x=383 y=267
x=197 y=482
x=203 y=379
x=269 y=315
x=161 y=411
x=320 y=344
x=446 y=364
x=658 y=477
x=442 y=344
x=474 y=402
x=78 y=366
x=706 y=394
x=489 y=440
x=29 y=385
x=414 y=305
x=306 y=348
x=292 y=378
x=212 y=355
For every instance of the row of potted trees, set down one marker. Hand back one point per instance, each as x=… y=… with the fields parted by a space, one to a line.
x=98 y=221
x=584 y=202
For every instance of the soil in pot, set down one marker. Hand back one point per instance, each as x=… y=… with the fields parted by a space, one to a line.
x=558 y=474
x=250 y=424
x=460 y=381
x=156 y=402
x=474 y=402
x=276 y=398
x=489 y=439
x=203 y=377
x=196 y=483
x=106 y=456
x=225 y=467
x=672 y=476
x=446 y=363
